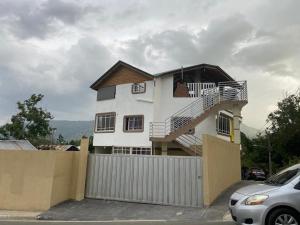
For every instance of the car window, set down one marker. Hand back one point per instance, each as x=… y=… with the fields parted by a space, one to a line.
x=282 y=178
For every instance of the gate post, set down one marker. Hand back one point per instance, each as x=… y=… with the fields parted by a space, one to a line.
x=79 y=175
x=236 y=125
x=164 y=148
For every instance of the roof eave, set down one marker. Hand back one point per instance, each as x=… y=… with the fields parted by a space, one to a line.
x=116 y=65
x=194 y=67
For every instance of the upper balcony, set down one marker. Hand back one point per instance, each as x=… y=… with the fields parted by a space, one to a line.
x=196 y=90
x=229 y=90
x=223 y=96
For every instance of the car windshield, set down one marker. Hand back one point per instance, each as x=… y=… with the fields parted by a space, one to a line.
x=282 y=177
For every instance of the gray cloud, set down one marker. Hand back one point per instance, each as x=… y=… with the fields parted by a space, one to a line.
x=59 y=47
x=215 y=44
x=37 y=19
x=273 y=52
x=67 y=94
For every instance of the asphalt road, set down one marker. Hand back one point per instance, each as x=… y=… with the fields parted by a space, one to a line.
x=113 y=223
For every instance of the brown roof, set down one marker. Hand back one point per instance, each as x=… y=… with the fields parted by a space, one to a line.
x=114 y=68
x=59 y=147
x=203 y=65
x=184 y=69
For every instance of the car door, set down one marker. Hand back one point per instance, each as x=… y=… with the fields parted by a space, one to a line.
x=295 y=194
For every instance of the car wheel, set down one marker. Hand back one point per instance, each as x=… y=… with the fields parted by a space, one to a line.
x=284 y=216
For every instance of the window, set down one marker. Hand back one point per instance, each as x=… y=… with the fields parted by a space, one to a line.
x=138 y=88
x=105 y=122
x=132 y=150
x=134 y=123
x=121 y=150
x=141 y=151
x=106 y=93
x=223 y=124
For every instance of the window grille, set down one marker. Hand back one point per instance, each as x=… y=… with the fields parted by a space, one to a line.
x=132 y=150
x=223 y=124
x=138 y=88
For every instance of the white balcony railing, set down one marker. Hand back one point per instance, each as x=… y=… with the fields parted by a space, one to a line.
x=197 y=89
x=224 y=91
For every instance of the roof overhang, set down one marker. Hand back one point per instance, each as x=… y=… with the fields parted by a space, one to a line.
x=215 y=68
x=119 y=64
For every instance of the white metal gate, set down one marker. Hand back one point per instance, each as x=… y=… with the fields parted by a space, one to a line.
x=167 y=180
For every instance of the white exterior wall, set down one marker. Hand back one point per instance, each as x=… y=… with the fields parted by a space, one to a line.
x=126 y=103
x=156 y=104
x=165 y=105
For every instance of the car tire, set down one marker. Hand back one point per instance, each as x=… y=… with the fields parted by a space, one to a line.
x=279 y=214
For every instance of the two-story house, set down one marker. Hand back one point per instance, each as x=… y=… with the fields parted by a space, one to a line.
x=166 y=113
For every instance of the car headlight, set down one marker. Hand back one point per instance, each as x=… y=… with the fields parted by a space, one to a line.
x=256 y=199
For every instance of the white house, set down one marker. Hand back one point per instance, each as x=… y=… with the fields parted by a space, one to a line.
x=165 y=113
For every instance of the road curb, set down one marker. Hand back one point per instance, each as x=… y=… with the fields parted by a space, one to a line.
x=18 y=215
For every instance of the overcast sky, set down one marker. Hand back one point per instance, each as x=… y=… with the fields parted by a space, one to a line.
x=58 y=48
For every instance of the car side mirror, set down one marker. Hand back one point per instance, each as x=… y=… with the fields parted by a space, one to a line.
x=297 y=186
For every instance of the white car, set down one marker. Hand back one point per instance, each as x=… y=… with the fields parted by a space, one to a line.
x=275 y=202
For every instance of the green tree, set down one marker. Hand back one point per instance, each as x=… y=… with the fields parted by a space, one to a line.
x=75 y=142
x=254 y=152
x=61 y=140
x=285 y=126
x=284 y=135
x=31 y=122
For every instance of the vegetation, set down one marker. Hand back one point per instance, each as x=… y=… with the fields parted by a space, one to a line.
x=283 y=133
x=75 y=142
x=61 y=140
x=31 y=122
x=34 y=124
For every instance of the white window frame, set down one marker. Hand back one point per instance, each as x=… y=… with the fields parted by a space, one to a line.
x=124 y=150
x=107 y=117
x=121 y=150
x=138 y=88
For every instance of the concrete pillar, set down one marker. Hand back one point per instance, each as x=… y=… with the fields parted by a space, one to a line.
x=236 y=124
x=164 y=149
x=80 y=169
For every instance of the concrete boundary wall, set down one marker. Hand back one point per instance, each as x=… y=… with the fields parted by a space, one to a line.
x=37 y=180
x=221 y=166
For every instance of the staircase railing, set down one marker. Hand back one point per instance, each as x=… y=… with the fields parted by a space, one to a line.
x=224 y=91
x=191 y=142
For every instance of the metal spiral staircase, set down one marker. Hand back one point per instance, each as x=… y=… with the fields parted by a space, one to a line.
x=177 y=127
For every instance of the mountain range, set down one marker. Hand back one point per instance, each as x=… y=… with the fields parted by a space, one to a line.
x=72 y=130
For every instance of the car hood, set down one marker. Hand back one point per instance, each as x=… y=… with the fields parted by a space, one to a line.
x=257 y=189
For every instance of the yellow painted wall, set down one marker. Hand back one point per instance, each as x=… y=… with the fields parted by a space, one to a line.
x=62 y=178
x=221 y=166
x=25 y=179
x=37 y=180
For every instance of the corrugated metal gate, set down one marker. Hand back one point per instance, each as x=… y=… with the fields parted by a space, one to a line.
x=167 y=180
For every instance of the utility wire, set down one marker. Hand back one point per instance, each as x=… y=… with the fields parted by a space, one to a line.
x=264 y=127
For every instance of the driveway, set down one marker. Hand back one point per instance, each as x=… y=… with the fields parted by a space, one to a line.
x=104 y=210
